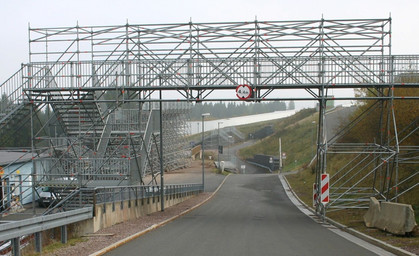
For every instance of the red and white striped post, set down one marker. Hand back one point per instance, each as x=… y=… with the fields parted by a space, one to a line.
x=324 y=197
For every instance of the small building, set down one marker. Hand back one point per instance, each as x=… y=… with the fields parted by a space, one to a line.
x=16 y=179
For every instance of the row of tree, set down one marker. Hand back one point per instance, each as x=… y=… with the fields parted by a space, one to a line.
x=232 y=109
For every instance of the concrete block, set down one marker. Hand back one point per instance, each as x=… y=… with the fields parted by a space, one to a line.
x=371 y=217
x=395 y=218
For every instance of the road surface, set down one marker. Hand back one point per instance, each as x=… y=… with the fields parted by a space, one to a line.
x=250 y=215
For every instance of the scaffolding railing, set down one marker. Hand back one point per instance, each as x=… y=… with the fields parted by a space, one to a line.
x=131 y=64
x=85 y=169
x=339 y=71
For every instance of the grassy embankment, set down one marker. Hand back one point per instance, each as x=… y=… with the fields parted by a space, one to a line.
x=296 y=133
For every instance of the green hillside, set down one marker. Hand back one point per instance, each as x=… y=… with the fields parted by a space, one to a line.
x=296 y=133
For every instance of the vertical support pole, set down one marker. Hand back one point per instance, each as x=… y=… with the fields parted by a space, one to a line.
x=190 y=62
x=33 y=171
x=280 y=154
x=113 y=202
x=38 y=242
x=218 y=138
x=202 y=157
x=121 y=197
x=129 y=197
x=321 y=135
x=16 y=246
x=127 y=61
x=8 y=193
x=256 y=63
x=29 y=43
x=46 y=46
x=161 y=152
x=94 y=202
x=312 y=140
x=64 y=235
x=20 y=188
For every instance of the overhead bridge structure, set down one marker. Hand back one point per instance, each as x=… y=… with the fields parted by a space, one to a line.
x=102 y=87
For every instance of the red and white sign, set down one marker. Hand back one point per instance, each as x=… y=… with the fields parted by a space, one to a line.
x=243 y=91
x=324 y=198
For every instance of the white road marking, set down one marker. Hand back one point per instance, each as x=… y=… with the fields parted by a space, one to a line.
x=372 y=248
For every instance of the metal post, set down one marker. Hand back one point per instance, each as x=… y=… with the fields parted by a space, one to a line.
x=280 y=154
x=33 y=171
x=202 y=156
x=64 y=235
x=229 y=145
x=20 y=188
x=9 y=194
x=38 y=241
x=202 y=148
x=218 y=137
x=16 y=246
x=161 y=153
x=312 y=140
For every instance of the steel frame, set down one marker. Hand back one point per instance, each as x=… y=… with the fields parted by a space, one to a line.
x=191 y=62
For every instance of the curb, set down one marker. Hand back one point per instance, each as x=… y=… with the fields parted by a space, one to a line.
x=369 y=239
x=155 y=226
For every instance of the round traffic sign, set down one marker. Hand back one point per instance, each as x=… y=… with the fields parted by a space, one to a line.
x=243 y=91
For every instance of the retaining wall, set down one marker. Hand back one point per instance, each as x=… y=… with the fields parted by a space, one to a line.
x=108 y=214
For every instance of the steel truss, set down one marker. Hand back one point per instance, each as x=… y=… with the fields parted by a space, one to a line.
x=87 y=74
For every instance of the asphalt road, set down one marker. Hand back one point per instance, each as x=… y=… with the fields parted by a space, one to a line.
x=250 y=215
x=237 y=162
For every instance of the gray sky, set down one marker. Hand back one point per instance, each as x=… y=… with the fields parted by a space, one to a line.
x=15 y=16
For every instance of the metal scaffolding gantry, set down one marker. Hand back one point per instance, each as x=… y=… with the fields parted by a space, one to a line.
x=100 y=83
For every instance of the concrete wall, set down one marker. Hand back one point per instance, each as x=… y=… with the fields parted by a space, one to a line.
x=108 y=214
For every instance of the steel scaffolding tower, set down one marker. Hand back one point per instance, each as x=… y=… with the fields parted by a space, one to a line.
x=87 y=75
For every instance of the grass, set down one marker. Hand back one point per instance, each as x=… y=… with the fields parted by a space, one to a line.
x=297 y=137
x=55 y=245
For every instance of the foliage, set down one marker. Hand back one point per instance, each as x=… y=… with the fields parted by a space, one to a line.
x=377 y=116
x=18 y=132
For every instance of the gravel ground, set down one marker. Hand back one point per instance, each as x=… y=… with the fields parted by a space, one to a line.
x=110 y=235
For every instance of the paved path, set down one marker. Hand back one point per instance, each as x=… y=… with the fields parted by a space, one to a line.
x=250 y=215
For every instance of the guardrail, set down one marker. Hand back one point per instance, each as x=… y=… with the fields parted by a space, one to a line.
x=14 y=230
x=260 y=165
x=115 y=194
x=24 y=227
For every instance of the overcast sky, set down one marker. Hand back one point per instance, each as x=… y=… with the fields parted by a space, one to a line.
x=15 y=16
